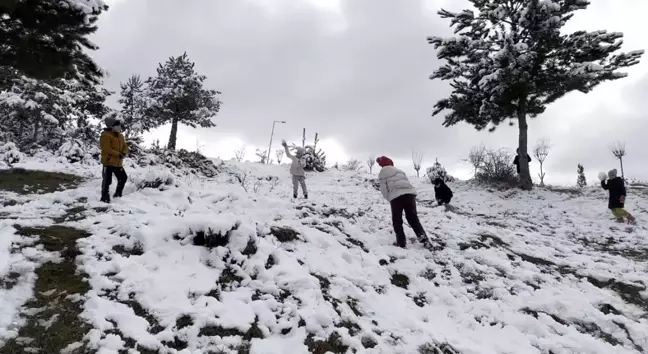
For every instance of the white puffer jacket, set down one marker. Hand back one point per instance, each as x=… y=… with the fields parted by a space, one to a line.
x=298 y=163
x=394 y=183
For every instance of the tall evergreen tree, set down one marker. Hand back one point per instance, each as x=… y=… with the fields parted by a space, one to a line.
x=45 y=39
x=178 y=96
x=510 y=59
x=133 y=108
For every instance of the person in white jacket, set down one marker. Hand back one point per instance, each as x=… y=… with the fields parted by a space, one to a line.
x=397 y=189
x=297 y=169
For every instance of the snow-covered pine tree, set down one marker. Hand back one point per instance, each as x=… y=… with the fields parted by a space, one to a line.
x=133 y=109
x=510 y=59
x=581 y=181
x=177 y=96
x=88 y=109
x=35 y=113
x=437 y=171
x=315 y=159
x=45 y=39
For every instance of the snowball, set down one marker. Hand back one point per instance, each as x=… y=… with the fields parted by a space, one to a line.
x=602 y=176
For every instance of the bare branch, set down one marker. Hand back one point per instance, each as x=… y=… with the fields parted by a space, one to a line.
x=371 y=161
x=541 y=150
x=417 y=160
x=280 y=155
x=352 y=165
x=239 y=154
x=262 y=155
x=619 y=150
x=477 y=157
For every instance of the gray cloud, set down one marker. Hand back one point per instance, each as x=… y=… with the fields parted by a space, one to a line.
x=591 y=135
x=366 y=86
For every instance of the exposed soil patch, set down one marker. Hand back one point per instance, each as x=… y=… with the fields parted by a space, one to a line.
x=400 y=280
x=332 y=344
x=24 y=182
x=71 y=214
x=284 y=234
x=57 y=297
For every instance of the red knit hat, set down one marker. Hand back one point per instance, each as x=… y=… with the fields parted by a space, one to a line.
x=384 y=161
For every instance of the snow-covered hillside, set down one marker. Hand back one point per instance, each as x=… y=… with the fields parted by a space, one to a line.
x=201 y=266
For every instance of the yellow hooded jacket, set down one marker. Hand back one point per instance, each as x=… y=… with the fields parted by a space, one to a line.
x=113 y=145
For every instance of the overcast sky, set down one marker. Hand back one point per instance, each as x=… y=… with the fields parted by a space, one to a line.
x=357 y=73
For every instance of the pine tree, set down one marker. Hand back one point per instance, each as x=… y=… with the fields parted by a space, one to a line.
x=315 y=159
x=178 y=96
x=88 y=107
x=581 y=181
x=437 y=171
x=133 y=109
x=38 y=114
x=510 y=59
x=35 y=113
x=45 y=39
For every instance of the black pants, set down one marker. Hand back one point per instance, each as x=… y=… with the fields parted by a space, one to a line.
x=407 y=203
x=107 y=175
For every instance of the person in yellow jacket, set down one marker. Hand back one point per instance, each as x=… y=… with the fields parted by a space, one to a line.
x=113 y=150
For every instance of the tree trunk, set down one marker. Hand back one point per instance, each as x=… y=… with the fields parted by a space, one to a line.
x=174 y=135
x=417 y=173
x=36 y=129
x=622 y=174
x=525 y=175
x=541 y=175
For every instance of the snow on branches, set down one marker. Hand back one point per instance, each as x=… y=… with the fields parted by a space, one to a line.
x=509 y=57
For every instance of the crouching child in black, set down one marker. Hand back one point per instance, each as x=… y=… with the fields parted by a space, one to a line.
x=442 y=193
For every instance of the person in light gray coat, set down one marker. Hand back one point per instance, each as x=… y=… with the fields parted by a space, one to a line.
x=401 y=195
x=297 y=169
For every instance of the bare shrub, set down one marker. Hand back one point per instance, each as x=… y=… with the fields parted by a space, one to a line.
x=371 y=161
x=280 y=154
x=497 y=169
x=243 y=179
x=476 y=157
x=417 y=160
x=352 y=165
x=239 y=154
x=619 y=151
x=262 y=155
x=540 y=152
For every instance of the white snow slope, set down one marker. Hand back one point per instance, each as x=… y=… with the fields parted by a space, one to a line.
x=537 y=272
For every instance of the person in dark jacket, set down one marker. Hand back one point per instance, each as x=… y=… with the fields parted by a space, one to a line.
x=113 y=150
x=616 y=186
x=401 y=195
x=442 y=193
x=516 y=160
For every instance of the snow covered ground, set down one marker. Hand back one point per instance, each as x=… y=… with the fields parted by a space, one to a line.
x=538 y=272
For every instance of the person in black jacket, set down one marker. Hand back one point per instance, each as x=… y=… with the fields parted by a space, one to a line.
x=516 y=160
x=616 y=186
x=442 y=193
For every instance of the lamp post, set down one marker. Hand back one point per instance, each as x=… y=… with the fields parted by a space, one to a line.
x=271 y=134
